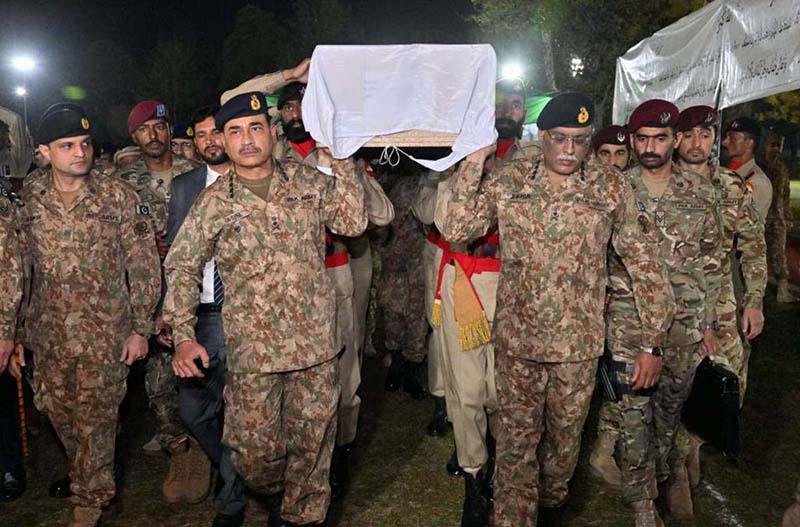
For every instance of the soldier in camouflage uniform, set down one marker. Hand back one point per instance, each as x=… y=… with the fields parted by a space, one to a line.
x=779 y=217
x=10 y=277
x=556 y=216
x=89 y=305
x=683 y=207
x=151 y=177
x=743 y=233
x=264 y=222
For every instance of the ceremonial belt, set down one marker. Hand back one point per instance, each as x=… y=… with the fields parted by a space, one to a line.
x=337 y=260
x=435 y=238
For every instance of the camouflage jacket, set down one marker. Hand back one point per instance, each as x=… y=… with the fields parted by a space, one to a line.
x=780 y=208
x=11 y=270
x=279 y=301
x=743 y=226
x=403 y=253
x=690 y=246
x=552 y=283
x=154 y=191
x=91 y=271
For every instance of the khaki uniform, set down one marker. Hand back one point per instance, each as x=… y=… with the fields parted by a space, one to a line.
x=351 y=278
x=11 y=271
x=92 y=279
x=267 y=83
x=469 y=374
x=548 y=324
x=279 y=319
x=780 y=211
x=690 y=245
x=160 y=383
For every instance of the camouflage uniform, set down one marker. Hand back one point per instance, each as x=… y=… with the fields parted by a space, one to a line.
x=688 y=225
x=11 y=276
x=548 y=326
x=780 y=211
x=160 y=383
x=279 y=319
x=96 y=282
x=402 y=291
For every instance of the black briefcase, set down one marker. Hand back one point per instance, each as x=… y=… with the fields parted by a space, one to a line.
x=712 y=410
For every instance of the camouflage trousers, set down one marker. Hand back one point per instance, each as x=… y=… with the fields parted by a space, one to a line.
x=469 y=376
x=281 y=428
x=734 y=353
x=349 y=359
x=775 y=235
x=81 y=397
x=374 y=291
x=162 y=394
x=402 y=301
x=431 y=259
x=648 y=424
x=543 y=403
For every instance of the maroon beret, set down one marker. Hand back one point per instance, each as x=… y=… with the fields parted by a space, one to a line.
x=703 y=116
x=610 y=135
x=145 y=111
x=656 y=113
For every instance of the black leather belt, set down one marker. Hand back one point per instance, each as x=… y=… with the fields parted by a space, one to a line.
x=204 y=309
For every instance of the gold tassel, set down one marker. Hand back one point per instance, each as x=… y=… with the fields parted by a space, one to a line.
x=436 y=313
x=475 y=334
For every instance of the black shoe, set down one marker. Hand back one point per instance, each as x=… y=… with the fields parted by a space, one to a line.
x=438 y=425
x=11 y=486
x=476 y=501
x=411 y=384
x=340 y=471
x=395 y=374
x=60 y=488
x=228 y=520
x=275 y=502
x=453 y=468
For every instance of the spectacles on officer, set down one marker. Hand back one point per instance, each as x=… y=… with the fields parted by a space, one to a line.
x=579 y=141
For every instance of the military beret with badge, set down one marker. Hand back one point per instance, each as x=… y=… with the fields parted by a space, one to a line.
x=610 y=135
x=697 y=117
x=63 y=120
x=569 y=110
x=183 y=130
x=243 y=105
x=146 y=111
x=746 y=125
x=655 y=113
x=291 y=92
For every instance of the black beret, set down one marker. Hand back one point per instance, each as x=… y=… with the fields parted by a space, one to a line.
x=610 y=135
x=656 y=113
x=183 y=130
x=252 y=103
x=291 y=92
x=63 y=120
x=702 y=116
x=569 y=109
x=510 y=85
x=745 y=125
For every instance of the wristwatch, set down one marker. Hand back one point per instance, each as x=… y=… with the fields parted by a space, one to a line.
x=655 y=351
x=711 y=325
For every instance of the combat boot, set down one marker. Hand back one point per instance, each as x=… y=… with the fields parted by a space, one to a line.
x=411 y=384
x=791 y=518
x=174 y=488
x=340 y=471
x=438 y=425
x=601 y=461
x=395 y=374
x=645 y=514
x=693 y=460
x=198 y=475
x=679 y=495
x=785 y=296
x=452 y=466
x=85 y=517
x=476 y=501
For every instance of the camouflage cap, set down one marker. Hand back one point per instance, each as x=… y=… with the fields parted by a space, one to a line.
x=697 y=116
x=63 y=120
x=657 y=113
x=610 y=135
x=569 y=109
x=510 y=85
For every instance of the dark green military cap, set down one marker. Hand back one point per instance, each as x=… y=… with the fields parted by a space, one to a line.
x=63 y=120
x=569 y=109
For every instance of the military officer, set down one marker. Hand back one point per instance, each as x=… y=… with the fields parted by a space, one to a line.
x=182 y=143
x=556 y=215
x=264 y=223
x=611 y=147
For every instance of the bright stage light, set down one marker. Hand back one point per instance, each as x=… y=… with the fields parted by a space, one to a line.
x=512 y=69
x=21 y=91
x=23 y=63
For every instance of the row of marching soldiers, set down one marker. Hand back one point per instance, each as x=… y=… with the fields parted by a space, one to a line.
x=264 y=292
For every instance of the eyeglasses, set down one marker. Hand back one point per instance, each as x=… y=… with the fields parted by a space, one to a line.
x=582 y=140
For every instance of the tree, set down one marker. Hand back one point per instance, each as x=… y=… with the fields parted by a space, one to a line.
x=319 y=22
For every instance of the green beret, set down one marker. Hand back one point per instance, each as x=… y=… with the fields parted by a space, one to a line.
x=63 y=120
x=569 y=109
